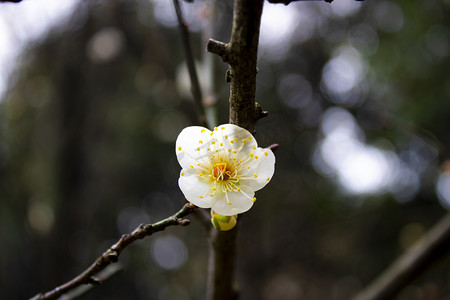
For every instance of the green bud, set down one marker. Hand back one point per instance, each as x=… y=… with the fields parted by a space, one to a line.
x=223 y=223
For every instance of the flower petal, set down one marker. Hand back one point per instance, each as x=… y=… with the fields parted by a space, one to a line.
x=195 y=189
x=238 y=139
x=240 y=202
x=189 y=141
x=261 y=169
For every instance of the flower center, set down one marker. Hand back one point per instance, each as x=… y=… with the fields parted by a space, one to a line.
x=219 y=171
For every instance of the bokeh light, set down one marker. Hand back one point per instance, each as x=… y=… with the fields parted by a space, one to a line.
x=388 y=16
x=357 y=167
x=278 y=24
x=169 y=252
x=343 y=76
x=105 y=45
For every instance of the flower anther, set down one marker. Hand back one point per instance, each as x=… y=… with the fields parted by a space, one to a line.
x=225 y=171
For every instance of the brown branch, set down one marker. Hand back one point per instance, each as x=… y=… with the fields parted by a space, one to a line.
x=218 y=48
x=101 y=277
x=242 y=60
x=433 y=246
x=112 y=254
x=195 y=85
x=241 y=55
x=222 y=252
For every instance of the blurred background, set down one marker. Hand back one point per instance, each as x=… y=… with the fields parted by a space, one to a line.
x=94 y=94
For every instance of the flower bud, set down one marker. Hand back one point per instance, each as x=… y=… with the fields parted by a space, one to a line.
x=223 y=223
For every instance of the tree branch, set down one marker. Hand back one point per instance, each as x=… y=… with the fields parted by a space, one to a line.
x=241 y=55
x=222 y=252
x=433 y=246
x=112 y=254
x=195 y=85
x=218 y=48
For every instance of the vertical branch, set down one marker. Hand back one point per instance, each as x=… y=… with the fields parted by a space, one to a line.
x=195 y=85
x=243 y=49
x=241 y=55
x=222 y=250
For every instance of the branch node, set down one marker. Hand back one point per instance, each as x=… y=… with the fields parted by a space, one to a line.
x=228 y=76
x=218 y=48
x=183 y=222
x=112 y=256
x=260 y=113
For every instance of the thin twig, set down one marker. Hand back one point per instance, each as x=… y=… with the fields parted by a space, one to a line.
x=104 y=275
x=195 y=85
x=433 y=246
x=112 y=254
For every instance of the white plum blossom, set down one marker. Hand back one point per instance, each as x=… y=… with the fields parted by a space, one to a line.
x=222 y=169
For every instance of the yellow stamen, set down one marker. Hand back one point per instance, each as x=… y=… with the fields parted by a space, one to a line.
x=219 y=169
